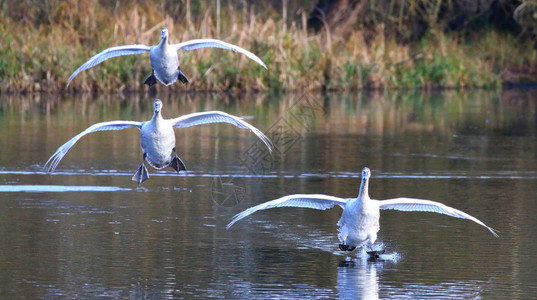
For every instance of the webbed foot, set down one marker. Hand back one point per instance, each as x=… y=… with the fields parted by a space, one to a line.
x=141 y=174
x=375 y=254
x=151 y=80
x=182 y=77
x=177 y=164
x=344 y=247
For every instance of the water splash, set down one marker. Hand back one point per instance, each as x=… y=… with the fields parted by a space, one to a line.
x=386 y=256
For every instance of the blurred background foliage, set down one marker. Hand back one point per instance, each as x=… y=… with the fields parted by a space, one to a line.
x=315 y=45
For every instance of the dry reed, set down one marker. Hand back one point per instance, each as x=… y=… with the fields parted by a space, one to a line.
x=40 y=57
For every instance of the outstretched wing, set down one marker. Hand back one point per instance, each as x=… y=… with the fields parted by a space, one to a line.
x=109 y=53
x=315 y=201
x=212 y=43
x=218 y=117
x=410 y=204
x=55 y=159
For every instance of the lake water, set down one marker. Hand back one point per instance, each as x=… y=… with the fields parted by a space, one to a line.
x=88 y=231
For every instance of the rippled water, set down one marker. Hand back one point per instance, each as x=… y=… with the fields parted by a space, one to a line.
x=88 y=231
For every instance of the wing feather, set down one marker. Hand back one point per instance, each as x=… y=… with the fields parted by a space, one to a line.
x=212 y=43
x=55 y=159
x=109 y=53
x=201 y=118
x=315 y=201
x=410 y=204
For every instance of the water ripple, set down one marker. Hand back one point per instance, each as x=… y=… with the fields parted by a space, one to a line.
x=59 y=188
x=284 y=174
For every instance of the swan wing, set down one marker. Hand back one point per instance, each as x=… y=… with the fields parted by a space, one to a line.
x=212 y=43
x=201 y=118
x=55 y=159
x=315 y=201
x=109 y=53
x=410 y=204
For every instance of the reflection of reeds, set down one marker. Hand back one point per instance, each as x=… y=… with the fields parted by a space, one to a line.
x=40 y=57
x=355 y=114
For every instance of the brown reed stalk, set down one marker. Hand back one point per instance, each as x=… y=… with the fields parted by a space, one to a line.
x=39 y=52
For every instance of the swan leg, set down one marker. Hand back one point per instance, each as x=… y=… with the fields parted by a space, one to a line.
x=141 y=174
x=177 y=164
x=151 y=80
x=374 y=254
x=342 y=236
x=371 y=238
x=181 y=77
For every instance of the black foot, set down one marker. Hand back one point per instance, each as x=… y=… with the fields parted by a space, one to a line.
x=181 y=77
x=141 y=174
x=177 y=164
x=151 y=80
x=344 y=247
x=375 y=254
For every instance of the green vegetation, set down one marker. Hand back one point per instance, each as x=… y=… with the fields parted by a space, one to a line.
x=43 y=42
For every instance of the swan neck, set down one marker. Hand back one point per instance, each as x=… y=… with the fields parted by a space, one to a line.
x=157 y=117
x=364 y=190
x=163 y=42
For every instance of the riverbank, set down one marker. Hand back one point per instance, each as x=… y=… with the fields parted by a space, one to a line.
x=41 y=57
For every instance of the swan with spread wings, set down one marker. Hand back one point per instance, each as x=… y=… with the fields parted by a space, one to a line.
x=163 y=57
x=158 y=138
x=359 y=222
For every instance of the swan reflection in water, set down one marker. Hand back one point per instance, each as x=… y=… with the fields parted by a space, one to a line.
x=357 y=279
x=365 y=279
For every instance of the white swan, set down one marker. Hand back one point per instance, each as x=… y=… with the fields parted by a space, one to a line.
x=359 y=221
x=158 y=138
x=163 y=56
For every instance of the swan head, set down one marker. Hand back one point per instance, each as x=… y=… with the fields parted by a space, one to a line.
x=366 y=173
x=164 y=33
x=158 y=106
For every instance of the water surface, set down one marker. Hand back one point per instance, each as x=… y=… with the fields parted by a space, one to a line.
x=88 y=231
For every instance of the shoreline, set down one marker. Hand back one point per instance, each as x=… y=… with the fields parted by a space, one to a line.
x=40 y=59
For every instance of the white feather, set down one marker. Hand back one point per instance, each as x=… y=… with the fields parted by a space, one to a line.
x=109 y=53
x=55 y=159
x=315 y=201
x=212 y=43
x=218 y=117
x=411 y=204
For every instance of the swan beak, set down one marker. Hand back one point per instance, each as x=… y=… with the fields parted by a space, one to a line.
x=366 y=173
x=158 y=106
x=164 y=33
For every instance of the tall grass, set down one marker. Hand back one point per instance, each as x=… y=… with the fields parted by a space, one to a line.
x=40 y=56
